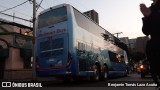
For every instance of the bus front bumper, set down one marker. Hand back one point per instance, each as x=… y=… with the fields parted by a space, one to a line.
x=50 y=73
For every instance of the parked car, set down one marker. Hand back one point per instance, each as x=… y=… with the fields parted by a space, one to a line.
x=145 y=68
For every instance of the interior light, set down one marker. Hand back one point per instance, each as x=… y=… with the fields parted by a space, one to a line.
x=26 y=33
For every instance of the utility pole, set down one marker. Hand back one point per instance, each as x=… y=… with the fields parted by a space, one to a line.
x=118 y=33
x=33 y=42
x=13 y=16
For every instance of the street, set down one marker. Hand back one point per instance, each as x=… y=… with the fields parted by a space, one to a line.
x=131 y=82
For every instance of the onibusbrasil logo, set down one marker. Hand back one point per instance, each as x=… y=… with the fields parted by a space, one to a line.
x=20 y=84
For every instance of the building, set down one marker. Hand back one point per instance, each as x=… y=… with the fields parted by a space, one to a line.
x=15 y=51
x=132 y=44
x=136 y=44
x=125 y=40
x=141 y=44
x=93 y=15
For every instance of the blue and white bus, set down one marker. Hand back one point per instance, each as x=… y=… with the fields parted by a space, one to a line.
x=69 y=44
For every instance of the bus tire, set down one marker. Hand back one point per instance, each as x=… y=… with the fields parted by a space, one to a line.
x=96 y=76
x=126 y=73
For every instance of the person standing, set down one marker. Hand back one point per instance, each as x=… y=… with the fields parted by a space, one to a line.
x=151 y=27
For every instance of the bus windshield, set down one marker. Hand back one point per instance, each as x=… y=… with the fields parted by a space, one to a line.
x=52 y=17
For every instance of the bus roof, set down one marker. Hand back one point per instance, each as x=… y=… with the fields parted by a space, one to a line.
x=54 y=7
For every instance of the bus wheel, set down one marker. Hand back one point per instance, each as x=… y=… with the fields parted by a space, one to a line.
x=105 y=73
x=126 y=73
x=97 y=73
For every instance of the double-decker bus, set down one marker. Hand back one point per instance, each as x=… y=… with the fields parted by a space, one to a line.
x=69 y=44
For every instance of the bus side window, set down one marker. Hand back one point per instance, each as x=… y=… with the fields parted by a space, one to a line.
x=81 y=49
x=120 y=58
x=112 y=56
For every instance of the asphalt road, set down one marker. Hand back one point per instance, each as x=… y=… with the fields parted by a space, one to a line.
x=131 y=82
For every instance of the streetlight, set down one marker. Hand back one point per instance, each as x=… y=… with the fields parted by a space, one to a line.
x=118 y=33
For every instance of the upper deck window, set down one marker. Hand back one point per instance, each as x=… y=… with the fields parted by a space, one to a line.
x=52 y=17
x=88 y=25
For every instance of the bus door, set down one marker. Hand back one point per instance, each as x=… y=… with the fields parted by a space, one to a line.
x=53 y=51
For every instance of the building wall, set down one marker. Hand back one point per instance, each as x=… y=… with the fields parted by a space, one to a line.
x=18 y=74
x=14 y=61
x=125 y=40
x=14 y=64
x=8 y=38
x=141 y=44
x=10 y=28
x=93 y=15
x=132 y=43
x=137 y=44
x=6 y=28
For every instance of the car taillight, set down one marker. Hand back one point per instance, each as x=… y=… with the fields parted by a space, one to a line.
x=141 y=67
x=69 y=59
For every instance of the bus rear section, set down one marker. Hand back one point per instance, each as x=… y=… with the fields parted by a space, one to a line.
x=52 y=54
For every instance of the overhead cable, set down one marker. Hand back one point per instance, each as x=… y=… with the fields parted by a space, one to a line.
x=14 y=6
x=39 y=5
x=16 y=17
x=16 y=11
